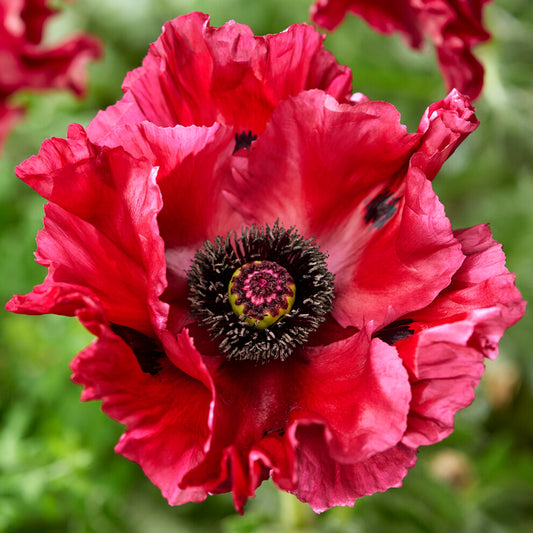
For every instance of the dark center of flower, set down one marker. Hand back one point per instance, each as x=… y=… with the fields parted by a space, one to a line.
x=243 y=289
x=261 y=292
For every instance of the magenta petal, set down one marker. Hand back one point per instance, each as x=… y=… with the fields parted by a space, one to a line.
x=61 y=67
x=324 y=483
x=444 y=126
x=249 y=410
x=360 y=391
x=56 y=298
x=447 y=372
x=268 y=70
x=316 y=163
x=159 y=424
x=450 y=338
x=416 y=306
x=77 y=254
x=406 y=264
x=33 y=14
x=193 y=172
x=482 y=289
x=183 y=354
x=256 y=412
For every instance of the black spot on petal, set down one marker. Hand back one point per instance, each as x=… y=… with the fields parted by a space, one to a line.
x=148 y=351
x=395 y=331
x=381 y=208
x=280 y=432
x=244 y=140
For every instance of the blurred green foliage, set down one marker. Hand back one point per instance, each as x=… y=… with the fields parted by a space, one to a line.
x=58 y=472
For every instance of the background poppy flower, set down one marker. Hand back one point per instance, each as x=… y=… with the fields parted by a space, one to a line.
x=28 y=64
x=454 y=26
x=144 y=214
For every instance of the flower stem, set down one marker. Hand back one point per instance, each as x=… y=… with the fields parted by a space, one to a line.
x=295 y=515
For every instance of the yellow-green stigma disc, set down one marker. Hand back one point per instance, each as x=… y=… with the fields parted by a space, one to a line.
x=261 y=292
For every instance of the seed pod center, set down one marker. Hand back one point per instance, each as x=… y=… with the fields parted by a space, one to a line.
x=261 y=292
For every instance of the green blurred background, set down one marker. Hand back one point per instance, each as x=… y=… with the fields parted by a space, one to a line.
x=58 y=471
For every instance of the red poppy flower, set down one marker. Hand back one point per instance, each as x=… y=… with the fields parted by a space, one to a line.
x=25 y=63
x=278 y=293
x=454 y=26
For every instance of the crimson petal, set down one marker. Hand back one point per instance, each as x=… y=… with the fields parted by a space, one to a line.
x=194 y=171
x=197 y=74
x=324 y=483
x=451 y=337
x=149 y=406
x=346 y=175
x=102 y=218
x=356 y=388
